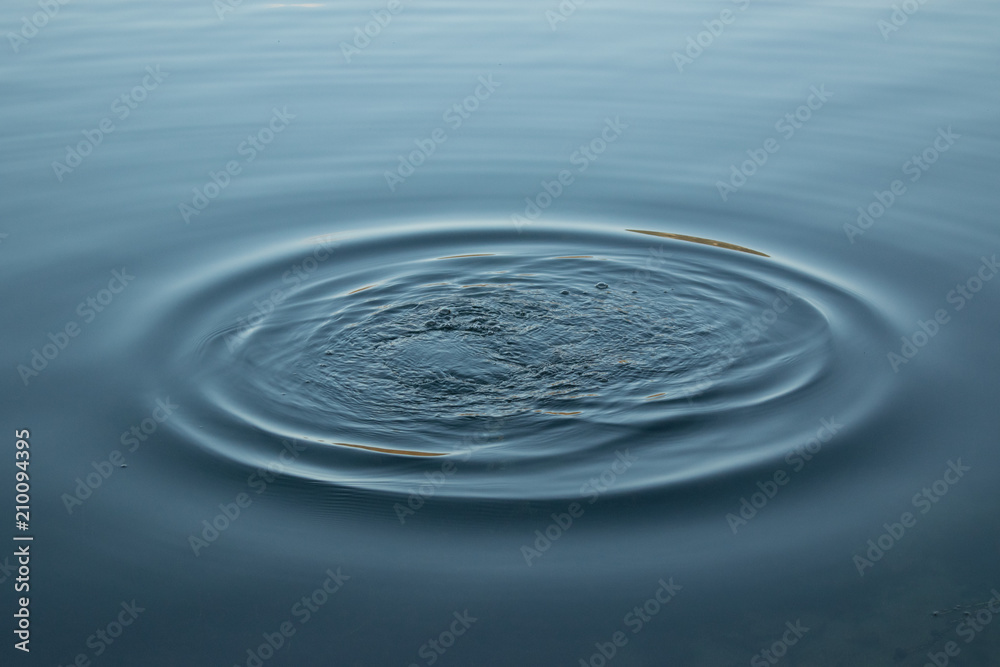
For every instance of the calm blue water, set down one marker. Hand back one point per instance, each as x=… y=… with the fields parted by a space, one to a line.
x=504 y=333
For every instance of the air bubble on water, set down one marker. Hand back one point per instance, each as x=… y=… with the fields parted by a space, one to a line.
x=601 y=286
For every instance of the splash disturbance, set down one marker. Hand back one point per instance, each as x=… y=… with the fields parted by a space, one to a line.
x=560 y=349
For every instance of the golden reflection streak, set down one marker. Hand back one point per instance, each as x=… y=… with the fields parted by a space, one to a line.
x=362 y=289
x=382 y=450
x=695 y=239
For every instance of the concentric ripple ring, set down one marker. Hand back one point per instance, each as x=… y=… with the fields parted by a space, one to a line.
x=517 y=359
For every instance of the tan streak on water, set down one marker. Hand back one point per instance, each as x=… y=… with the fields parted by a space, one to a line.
x=696 y=239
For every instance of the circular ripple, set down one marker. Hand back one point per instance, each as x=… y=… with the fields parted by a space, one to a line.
x=529 y=361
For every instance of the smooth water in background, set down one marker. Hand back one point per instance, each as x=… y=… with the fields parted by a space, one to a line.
x=509 y=333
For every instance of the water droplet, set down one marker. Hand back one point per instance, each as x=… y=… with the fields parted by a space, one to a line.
x=601 y=286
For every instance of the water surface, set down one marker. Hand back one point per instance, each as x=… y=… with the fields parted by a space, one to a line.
x=487 y=335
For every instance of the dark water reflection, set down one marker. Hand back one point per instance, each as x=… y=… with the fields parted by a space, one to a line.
x=494 y=335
